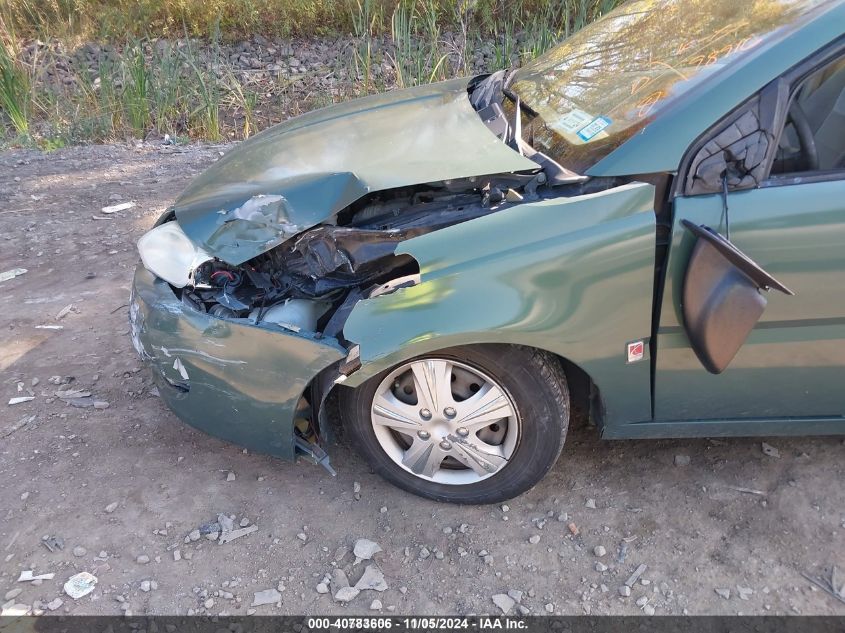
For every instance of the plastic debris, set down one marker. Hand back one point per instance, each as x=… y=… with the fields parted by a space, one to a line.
x=21 y=399
x=114 y=208
x=80 y=585
x=28 y=576
x=11 y=274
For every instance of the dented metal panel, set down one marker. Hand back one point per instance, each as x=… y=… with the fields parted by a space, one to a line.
x=228 y=378
x=574 y=276
x=302 y=172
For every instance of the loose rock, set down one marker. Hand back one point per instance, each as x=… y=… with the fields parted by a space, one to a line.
x=373 y=579
x=346 y=594
x=365 y=549
x=504 y=602
x=267 y=596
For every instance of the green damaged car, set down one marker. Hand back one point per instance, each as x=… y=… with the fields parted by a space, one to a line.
x=645 y=227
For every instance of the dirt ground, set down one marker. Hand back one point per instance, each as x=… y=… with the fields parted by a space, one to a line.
x=131 y=480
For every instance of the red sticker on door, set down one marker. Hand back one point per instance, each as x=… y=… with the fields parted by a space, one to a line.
x=636 y=351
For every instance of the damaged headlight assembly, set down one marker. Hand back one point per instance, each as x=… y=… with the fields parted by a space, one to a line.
x=169 y=254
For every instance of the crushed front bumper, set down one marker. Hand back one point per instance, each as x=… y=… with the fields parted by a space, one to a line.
x=234 y=380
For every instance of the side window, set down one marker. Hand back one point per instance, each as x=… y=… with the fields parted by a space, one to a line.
x=813 y=137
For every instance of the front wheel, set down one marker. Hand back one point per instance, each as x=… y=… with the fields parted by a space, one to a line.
x=473 y=424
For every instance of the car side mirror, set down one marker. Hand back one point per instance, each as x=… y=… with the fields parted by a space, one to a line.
x=723 y=297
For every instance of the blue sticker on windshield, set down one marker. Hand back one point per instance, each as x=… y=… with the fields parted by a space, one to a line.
x=593 y=127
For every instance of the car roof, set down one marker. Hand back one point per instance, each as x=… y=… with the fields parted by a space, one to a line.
x=660 y=145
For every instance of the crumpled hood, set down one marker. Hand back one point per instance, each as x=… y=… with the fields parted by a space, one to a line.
x=304 y=171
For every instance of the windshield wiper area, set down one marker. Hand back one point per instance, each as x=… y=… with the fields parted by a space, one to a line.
x=486 y=96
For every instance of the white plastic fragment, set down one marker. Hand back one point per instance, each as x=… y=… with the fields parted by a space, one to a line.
x=123 y=206
x=80 y=585
x=21 y=399
x=28 y=576
x=178 y=366
x=11 y=274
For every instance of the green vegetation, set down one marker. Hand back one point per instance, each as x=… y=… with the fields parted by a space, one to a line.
x=170 y=66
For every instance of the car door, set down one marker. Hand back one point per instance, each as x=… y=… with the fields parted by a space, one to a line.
x=770 y=179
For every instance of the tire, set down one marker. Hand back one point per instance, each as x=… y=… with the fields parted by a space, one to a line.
x=482 y=465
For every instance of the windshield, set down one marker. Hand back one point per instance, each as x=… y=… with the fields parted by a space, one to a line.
x=603 y=84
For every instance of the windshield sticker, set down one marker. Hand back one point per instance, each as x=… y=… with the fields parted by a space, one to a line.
x=594 y=127
x=574 y=121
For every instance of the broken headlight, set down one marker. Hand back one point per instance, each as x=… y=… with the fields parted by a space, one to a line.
x=168 y=253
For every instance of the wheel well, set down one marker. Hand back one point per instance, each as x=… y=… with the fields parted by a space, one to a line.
x=585 y=400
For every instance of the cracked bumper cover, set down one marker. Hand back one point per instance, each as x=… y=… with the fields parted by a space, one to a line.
x=229 y=378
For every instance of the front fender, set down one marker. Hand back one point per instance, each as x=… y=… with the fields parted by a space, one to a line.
x=573 y=276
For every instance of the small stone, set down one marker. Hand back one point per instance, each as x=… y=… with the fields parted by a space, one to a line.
x=79 y=551
x=504 y=602
x=208 y=603
x=356 y=487
x=534 y=539
x=194 y=535
x=143 y=559
x=145 y=586
x=13 y=593
x=505 y=508
x=590 y=503
x=322 y=588
x=599 y=550
x=267 y=596
x=346 y=594
x=447 y=530
x=244 y=522
x=424 y=553
x=642 y=601
x=372 y=579
x=682 y=460
x=177 y=555
x=573 y=529
x=230 y=476
x=55 y=603
x=365 y=549
x=624 y=591
x=648 y=609
x=549 y=607
x=601 y=567
x=724 y=593
x=383 y=509
x=111 y=507
x=515 y=594
x=302 y=536
x=339 y=579
x=744 y=592
x=375 y=605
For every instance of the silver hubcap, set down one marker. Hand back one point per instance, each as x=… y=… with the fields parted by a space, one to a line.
x=445 y=421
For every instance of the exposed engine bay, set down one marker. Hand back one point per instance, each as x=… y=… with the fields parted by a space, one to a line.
x=311 y=282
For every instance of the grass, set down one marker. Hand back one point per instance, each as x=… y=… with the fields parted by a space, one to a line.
x=186 y=87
